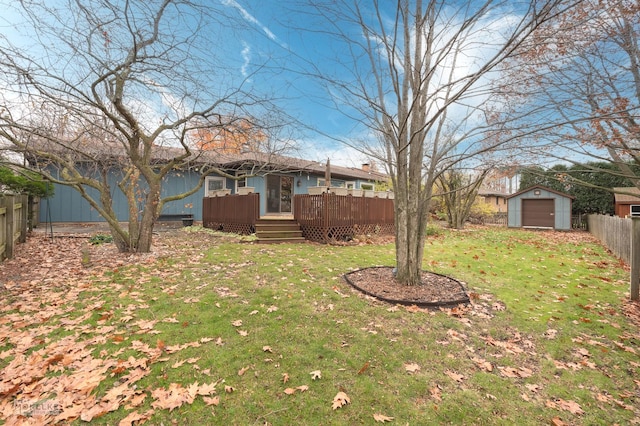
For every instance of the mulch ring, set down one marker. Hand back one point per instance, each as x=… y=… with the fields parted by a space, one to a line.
x=436 y=290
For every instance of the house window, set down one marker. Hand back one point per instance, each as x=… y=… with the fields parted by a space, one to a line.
x=213 y=184
x=367 y=186
x=322 y=182
x=634 y=210
x=351 y=185
x=242 y=182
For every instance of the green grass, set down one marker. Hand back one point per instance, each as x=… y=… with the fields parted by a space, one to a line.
x=545 y=304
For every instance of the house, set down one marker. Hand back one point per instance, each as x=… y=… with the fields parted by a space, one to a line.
x=624 y=199
x=539 y=207
x=276 y=178
x=495 y=199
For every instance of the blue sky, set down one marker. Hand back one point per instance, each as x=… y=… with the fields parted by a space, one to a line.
x=280 y=41
x=272 y=46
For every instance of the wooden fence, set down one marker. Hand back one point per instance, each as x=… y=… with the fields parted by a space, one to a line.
x=231 y=213
x=614 y=232
x=13 y=223
x=329 y=217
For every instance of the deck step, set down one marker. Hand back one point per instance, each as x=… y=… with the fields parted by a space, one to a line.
x=278 y=231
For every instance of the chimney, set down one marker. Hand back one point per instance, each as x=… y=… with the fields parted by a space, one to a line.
x=366 y=167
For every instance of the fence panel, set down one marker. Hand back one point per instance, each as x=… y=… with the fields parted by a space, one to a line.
x=614 y=232
x=330 y=217
x=13 y=223
x=231 y=213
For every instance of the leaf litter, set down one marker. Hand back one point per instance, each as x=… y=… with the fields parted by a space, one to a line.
x=42 y=301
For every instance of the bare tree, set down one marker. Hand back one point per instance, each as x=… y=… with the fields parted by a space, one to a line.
x=108 y=96
x=458 y=190
x=573 y=90
x=417 y=78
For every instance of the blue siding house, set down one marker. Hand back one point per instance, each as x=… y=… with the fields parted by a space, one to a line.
x=278 y=178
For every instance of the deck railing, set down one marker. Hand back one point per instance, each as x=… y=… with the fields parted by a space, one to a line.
x=329 y=217
x=231 y=213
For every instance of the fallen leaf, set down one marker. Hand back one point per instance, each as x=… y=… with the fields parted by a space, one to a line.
x=341 y=399
x=412 y=368
x=303 y=388
x=237 y=323
x=364 y=368
x=436 y=393
x=382 y=418
x=285 y=377
x=136 y=418
x=267 y=349
x=242 y=371
x=207 y=389
x=289 y=391
x=211 y=401
x=455 y=376
x=316 y=375
x=228 y=389
x=571 y=406
x=178 y=364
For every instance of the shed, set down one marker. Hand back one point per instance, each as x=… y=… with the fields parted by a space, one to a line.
x=624 y=200
x=539 y=207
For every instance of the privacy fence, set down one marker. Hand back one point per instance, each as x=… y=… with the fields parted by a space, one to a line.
x=330 y=217
x=231 y=213
x=14 y=212
x=622 y=237
x=614 y=232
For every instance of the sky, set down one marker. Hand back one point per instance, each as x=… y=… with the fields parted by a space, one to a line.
x=275 y=49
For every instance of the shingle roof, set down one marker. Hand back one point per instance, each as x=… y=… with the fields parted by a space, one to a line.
x=267 y=160
x=626 y=198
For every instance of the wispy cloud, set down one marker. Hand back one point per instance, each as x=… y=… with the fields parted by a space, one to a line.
x=252 y=19
x=246 y=56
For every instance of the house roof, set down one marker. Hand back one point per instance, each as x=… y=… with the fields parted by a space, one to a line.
x=626 y=198
x=266 y=161
x=490 y=193
x=544 y=188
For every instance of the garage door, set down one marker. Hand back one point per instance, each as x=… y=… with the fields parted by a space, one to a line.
x=538 y=213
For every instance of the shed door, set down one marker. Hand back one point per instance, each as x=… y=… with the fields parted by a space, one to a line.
x=538 y=213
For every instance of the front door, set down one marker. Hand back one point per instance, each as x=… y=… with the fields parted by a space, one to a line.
x=279 y=194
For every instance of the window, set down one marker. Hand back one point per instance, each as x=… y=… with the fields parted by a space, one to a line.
x=634 y=210
x=322 y=182
x=242 y=182
x=351 y=185
x=367 y=186
x=213 y=184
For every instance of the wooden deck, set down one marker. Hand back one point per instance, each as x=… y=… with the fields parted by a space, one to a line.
x=323 y=218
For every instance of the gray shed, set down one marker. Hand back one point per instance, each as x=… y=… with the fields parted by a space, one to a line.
x=539 y=207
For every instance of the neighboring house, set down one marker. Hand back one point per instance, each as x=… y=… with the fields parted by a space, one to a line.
x=277 y=179
x=624 y=202
x=497 y=200
x=539 y=207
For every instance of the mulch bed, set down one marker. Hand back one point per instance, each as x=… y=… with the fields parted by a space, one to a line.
x=435 y=290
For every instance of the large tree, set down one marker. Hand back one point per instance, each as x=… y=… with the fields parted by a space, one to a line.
x=574 y=90
x=112 y=95
x=416 y=79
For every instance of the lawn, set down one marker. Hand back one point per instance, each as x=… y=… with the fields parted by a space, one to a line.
x=214 y=329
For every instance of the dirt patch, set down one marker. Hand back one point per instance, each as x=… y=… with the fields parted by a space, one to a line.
x=435 y=289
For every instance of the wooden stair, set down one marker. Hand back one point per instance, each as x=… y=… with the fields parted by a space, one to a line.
x=271 y=231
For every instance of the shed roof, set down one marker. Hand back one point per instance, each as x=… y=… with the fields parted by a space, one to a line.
x=626 y=198
x=544 y=188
